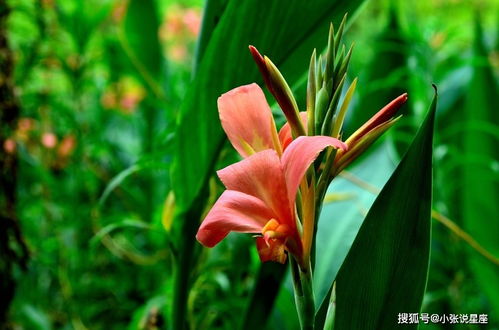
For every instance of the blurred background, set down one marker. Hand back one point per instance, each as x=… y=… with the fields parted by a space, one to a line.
x=91 y=92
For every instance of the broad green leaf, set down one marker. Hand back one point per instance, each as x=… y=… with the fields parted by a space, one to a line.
x=386 y=268
x=340 y=221
x=480 y=185
x=212 y=13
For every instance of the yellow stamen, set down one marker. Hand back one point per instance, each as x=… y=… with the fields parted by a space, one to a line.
x=247 y=148
x=274 y=230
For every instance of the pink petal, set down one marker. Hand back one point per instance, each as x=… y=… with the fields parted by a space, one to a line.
x=247 y=119
x=300 y=154
x=261 y=175
x=285 y=133
x=233 y=211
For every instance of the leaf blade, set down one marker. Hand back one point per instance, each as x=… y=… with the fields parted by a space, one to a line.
x=397 y=266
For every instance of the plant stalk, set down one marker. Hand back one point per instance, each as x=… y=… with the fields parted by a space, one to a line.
x=304 y=294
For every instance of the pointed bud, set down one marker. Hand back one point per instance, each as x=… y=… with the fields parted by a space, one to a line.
x=330 y=53
x=342 y=69
x=260 y=62
x=339 y=60
x=281 y=91
x=311 y=94
x=382 y=116
x=361 y=139
x=343 y=159
x=321 y=106
x=339 y=34
x=320 y=74
x=329 y=121
x=340 y=117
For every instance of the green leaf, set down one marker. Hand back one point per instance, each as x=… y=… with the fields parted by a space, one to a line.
x=127 y=223
x=340 y=221
x=152 y=309
x=212 y=13
x=145 y=164
x=386 y=268
x=478 y=191
x=140 y=41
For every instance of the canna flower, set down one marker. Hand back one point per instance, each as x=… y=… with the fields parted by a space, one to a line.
x=261 y=189
x=261 y=194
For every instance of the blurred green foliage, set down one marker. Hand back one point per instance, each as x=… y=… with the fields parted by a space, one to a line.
x=100 y=88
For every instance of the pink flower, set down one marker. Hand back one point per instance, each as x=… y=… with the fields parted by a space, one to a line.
x=9 y=145
x=192 y=21
x=49 y=140
x=261 y=189
x=260 y=198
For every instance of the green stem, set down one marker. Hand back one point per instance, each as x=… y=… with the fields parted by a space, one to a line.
x=183 y=275
x=304 y=294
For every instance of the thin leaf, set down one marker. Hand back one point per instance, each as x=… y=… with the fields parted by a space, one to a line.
x=127 y=223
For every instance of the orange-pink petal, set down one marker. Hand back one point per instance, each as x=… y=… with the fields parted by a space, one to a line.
x=233 y=211
x=247 y=119
x=300 y=154
x=261 y=175
x=285 y=136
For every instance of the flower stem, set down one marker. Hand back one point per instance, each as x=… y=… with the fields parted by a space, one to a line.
x=304 y=294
